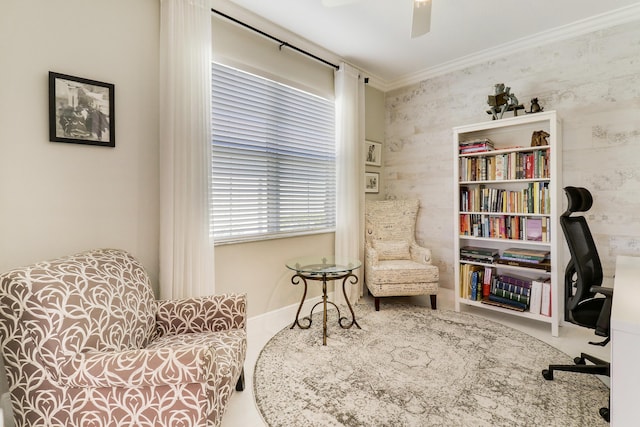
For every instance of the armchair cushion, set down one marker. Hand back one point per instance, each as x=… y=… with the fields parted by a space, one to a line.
x=395 y=249
x=161 y=365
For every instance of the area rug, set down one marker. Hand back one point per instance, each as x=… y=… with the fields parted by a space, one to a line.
x=413 y=366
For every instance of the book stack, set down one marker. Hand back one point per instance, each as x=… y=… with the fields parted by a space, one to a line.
x=510 y=291
x=475 y=145
x=530 y=258
x=479 y=254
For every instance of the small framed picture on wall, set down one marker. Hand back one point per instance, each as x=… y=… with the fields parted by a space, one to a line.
x=371 y=182
x=81 y=111
x=373 y=153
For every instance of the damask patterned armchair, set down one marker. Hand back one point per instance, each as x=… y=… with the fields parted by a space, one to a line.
x=85 y=343
x=395 y=265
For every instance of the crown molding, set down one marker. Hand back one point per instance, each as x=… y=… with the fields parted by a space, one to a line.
x=606 y=20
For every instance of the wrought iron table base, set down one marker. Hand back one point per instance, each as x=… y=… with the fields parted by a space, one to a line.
x=324 y=277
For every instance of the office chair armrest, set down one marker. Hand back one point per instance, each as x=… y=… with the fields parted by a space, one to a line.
x=607 y=292
x=604 y=319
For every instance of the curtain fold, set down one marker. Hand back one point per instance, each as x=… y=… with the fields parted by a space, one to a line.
x=349 y=237
x=186 y=248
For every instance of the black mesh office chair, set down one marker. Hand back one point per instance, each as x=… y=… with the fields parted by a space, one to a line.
x=582 y=282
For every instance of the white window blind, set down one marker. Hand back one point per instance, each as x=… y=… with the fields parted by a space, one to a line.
x=273 y=158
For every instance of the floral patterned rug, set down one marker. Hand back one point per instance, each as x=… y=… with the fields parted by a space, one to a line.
x=413 y=366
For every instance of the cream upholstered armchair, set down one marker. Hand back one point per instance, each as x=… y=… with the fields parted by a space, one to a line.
x=395 y=265
x=85 y=343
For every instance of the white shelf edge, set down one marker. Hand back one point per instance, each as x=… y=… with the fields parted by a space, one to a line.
x=507 y=267
x=514 y=241
x=503 y=151
x=510 y=121
x=526 y=314
x=504 y=213
x=504 y=181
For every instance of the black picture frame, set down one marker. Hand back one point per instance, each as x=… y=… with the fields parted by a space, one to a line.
x=373 y=152
x=371 y=182
x=81 y=111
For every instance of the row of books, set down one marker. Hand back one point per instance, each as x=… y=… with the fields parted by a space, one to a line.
x=483 y=284
x=507 y=166
x=536 y=229
x=479 y=254
x=535 y=198
x=529 y=258
x=475 y=146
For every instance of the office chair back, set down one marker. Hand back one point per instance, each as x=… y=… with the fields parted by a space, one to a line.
x=582 y=280
x=584 y=270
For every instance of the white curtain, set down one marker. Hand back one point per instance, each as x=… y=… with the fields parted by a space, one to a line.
x=186 y=248
x=349 y=240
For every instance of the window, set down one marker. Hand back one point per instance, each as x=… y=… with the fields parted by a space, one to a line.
x=273 y=158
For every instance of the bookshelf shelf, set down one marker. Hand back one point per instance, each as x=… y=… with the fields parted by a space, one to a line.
x=506 y=267
x=505 y=181
x=493 y=239
x=512 y=176
x=519 y=314
x=506 y=151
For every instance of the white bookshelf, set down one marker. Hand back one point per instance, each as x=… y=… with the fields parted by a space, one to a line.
x=512 y=137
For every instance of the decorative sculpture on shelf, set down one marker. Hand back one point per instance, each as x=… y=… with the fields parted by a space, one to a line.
x=539 y=138
x=535 y=107
x=503 y=100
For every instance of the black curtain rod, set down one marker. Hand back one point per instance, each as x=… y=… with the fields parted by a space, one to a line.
x=282 y=43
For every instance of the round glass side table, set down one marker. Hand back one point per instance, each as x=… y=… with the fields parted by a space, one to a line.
x=324 y=269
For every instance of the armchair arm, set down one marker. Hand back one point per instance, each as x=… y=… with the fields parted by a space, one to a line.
x=371 y=255
x=212 y=313
x=420 y=254
x=140 y=368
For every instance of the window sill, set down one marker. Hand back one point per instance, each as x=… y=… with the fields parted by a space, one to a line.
x=249 y=239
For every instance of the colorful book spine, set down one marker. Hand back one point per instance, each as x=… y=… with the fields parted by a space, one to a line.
x=535 y=301
x=508 y=287
x=515 y=280
x=540 y=266
x=487 y=281
x=545 y=306
x=525 y=299
x=474 y=286
x=507 y=301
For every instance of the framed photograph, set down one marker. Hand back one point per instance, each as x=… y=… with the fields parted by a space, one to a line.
x=371 y=182
x=81 y=111
x=373 y=153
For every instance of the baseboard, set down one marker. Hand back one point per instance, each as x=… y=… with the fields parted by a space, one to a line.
x=281 y=317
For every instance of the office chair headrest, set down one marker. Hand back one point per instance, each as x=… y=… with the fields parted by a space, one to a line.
x=579 y=199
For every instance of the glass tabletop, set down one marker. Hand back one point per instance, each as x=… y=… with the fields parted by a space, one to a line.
x=323 y=265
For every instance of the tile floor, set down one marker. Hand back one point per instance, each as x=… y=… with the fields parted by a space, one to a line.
x=242 y=412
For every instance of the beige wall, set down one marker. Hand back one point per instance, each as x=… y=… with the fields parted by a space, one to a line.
x=242 y=48
x=593 y=81
x=374 y=131
x=58 y=198
x=258 y=269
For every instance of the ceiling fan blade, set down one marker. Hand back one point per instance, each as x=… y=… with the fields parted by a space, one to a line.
x=336 y=3
x=421 y=24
